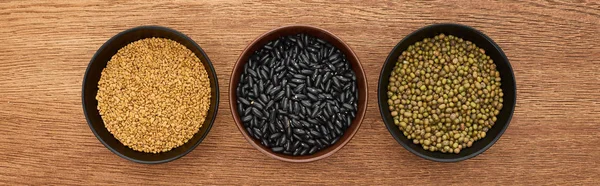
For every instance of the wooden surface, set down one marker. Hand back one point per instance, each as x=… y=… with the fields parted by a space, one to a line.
x=553 y=46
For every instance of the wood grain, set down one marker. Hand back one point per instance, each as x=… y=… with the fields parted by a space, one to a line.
x=553 y=46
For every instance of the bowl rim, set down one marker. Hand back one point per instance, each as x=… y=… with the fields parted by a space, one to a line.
x=380 y=89
x=235 y=114
x=107 y=44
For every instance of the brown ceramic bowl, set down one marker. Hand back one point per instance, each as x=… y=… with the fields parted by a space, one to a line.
x=333 y=40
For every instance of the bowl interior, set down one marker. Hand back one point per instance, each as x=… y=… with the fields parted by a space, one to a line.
x=333 y=40
x=508 y=87
x=90 y=88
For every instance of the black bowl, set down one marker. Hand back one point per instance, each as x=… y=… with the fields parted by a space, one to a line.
x=90 y=88
x=509 y=88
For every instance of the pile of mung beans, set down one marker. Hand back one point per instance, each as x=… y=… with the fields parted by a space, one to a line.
x=444 y=93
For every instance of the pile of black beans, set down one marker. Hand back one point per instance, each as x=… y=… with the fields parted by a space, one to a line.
x=297 y=95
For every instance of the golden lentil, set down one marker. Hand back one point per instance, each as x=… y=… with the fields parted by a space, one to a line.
x=154 y=95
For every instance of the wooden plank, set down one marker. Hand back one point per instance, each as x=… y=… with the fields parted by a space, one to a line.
x=553 y=47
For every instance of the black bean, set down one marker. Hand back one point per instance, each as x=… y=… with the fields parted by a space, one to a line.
x=312 y=90
x=284 y=104
x=270 y=104
x=297 y=137
x=336 y=82
x=287 y=145
x=264 y=127
x=346 y=87
x=312 y=121
x=279 y=68
x=295 y=145
x=299 y=131
x=350 y=98
x=253 y=122
x=312 y=49
x=279 y=96
x=338 y=131
x=330 y=126
x=288 y=132
x=252 y=72
x=249 y=130
x=324 y=130
x=243 y=101
x=331 y=67
x=257 y=132
x=313 y=58
x=273 y=90
x=337 y=61
x=306 y=103
x=288 y=91
x=249 y=84
x=339 y=124
x=328 y=137
x=318 y=104
x=311 y=142
x=272 y=127
x=264 y=74
x=296 y=124
x=312 y=97
x=268 y=46
x=319 y=143
x=255 y=90
x=318 y=80
x=316 y=73
x=299 y=76
x=299 y=43
x=279 y=125
x=321 y=41
x=348 y=106
x=304 y=145
x=247 y=118
x=315 y=112
x=348 y=121
x=327 y=86
x=342 y=78
x=264 y=98
x=257 y=112
x=306 y=72
x=247 y=112
x=299 y=97
x=299 y=88
x=265 y=142
x=329 y=109
x=324 y=142
x=296 y=152
x=296 y=107
x=334 y=57
x=303 y=57
x=276 y=143
x=335 y=109
x=335 y=140
x=258 y=105
x=313 y=150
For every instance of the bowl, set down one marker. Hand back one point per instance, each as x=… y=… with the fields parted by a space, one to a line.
x=90 y=88
x=318 y=33
x=508 y=87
